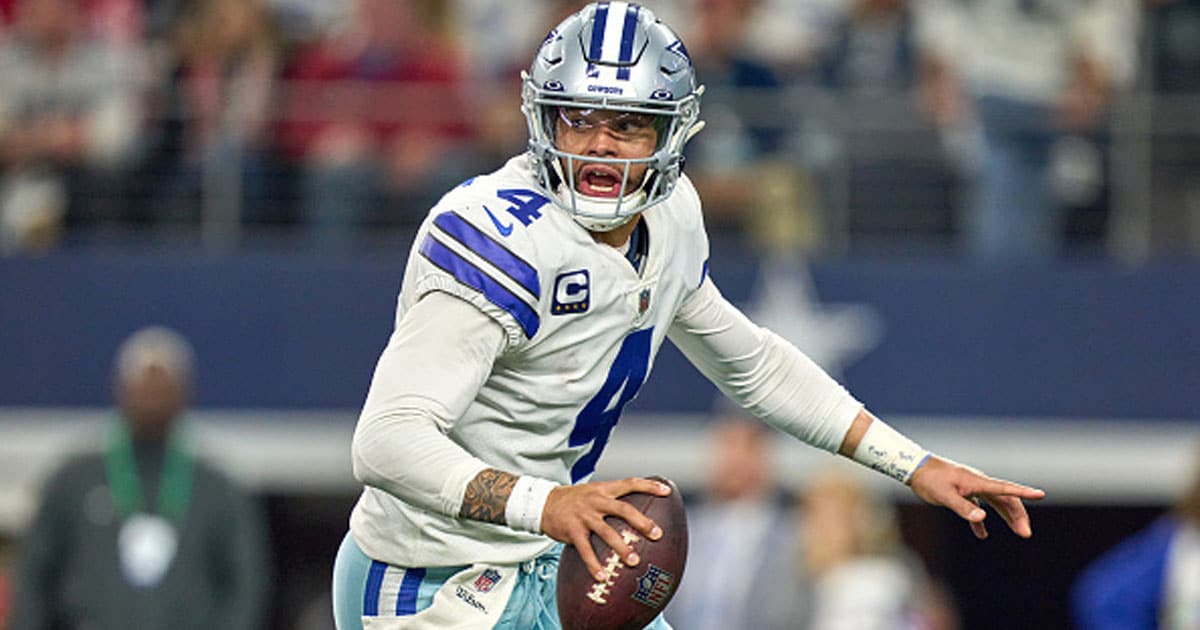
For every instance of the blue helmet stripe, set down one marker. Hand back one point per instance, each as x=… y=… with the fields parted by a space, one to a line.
x=598 y=31
x=490 y=250
x=371 y=590
x=406 y=600
x=477 y=279
x=628 y=30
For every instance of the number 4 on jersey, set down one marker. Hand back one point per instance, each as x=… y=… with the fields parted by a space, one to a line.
x=596 y=421
x=526 y=204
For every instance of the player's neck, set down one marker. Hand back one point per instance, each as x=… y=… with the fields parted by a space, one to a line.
x=617 y=237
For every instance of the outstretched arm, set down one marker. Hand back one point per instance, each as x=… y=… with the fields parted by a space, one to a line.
x=775 y=381
x=939 y=481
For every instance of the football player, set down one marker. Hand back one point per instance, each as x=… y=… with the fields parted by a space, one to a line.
x=533 y=304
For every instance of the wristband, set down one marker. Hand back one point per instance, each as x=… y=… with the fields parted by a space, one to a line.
x=525 y=504
x=885 y=449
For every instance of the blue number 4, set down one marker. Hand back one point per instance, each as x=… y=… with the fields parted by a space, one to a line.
x=526 y=204
x=596 y=421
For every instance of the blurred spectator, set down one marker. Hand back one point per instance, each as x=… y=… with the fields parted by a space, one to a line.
x=375 y=118
x=880 y=160
x=1151 y=580
x=497 y=35
x=1026 y=73
x=219 y=95
x=871 y=48
x=142 y=534
x=789 y=35
x=740 y=555
x=737 y=161
x=737 y=132
x=1174 y=200
x=69 y=115
x=862 y=576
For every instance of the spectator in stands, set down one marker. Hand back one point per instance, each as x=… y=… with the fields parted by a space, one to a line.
x=1172 y=220
x=870 y=49
x=1026 y=72
x=143 y=534
x=1150 y=580
x=69 y=117
x=789 y=35
x=862 y=576
x=214 y=150
x=496 y=35
x=748 y=184
x=375 y=115
x=744 y=580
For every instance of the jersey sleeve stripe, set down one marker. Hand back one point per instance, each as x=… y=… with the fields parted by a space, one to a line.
x=488 y=249
x=467 y=273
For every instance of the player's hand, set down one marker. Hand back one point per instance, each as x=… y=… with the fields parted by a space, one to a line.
x=572 y=513
x=961 y=488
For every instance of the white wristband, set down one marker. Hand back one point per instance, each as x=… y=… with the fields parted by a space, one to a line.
x=885 y=449
x=524 y=508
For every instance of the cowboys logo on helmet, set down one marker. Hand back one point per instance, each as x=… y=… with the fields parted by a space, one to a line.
x=612 y=57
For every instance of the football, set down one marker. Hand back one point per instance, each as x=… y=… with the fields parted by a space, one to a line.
x=631 y=597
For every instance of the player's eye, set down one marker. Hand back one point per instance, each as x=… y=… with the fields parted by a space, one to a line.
x=574 y=119
x=632 y=126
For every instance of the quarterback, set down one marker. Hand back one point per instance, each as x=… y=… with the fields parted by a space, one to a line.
x=533 y=304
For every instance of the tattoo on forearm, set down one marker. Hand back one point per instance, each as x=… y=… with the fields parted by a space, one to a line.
x=487 y=495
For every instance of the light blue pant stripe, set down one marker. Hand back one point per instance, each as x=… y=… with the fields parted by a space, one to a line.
x=350 y=571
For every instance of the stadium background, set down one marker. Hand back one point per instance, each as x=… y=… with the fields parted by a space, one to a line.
x=1077 y=375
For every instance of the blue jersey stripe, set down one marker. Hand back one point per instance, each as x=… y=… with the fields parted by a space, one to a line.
x=628 y=30
x=487 y=248
x=371 y=591
x=477 y=279
x=406 y=601
x=598 y=31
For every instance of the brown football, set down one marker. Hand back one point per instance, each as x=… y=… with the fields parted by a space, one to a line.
x=631 y=597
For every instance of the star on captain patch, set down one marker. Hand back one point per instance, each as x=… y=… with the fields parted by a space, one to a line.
x=644 y=301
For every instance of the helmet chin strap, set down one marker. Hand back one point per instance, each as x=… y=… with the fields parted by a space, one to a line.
x=598 y=214
x=598 y=206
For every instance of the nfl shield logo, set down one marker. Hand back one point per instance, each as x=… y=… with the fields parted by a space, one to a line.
x=644 y=301
x=654 y=587
x=487 y=580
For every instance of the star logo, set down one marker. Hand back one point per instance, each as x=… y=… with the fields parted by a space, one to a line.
x=832 y=335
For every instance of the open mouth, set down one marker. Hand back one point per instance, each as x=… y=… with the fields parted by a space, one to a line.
x=599 y=180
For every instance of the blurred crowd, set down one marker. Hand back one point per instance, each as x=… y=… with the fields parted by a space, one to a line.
x=984 y=127
x=826 y=555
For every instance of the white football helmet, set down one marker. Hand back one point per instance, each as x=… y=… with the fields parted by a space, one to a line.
x=614 y=56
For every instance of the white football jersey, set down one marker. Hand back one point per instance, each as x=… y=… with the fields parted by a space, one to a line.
x=583 y=327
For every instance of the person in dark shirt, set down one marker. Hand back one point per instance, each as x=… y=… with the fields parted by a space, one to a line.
x=142 y=534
